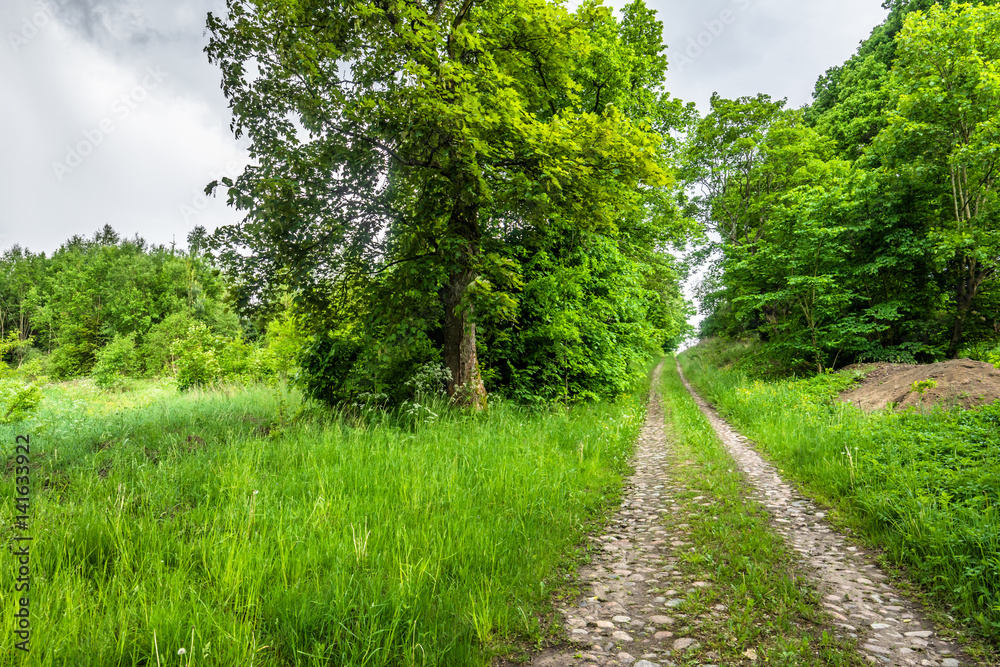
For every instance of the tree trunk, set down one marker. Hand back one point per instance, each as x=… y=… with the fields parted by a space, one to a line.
x=956 y=332
x=466 y=386
x=965 y=298
x=969 y=284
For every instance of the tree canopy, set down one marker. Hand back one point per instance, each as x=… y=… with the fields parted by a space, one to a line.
x=864 y=228
x=419 y=167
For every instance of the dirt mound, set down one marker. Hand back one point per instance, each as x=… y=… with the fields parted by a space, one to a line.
x=960 y=382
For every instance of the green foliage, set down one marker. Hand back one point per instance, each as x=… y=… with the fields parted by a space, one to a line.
x=197 y=357
x=284 y=342
x=988 y=352
x=587 y=319
x=204 y=358
x=116 y=361
x=866 y=228
x=18 y=401
x=944 y=132
x=36 y=367
x=379 y=546
x=343 y=367
x=91 y=291
x=458 y=131
x=923 y=487
x=157 y=347
x=14 y=346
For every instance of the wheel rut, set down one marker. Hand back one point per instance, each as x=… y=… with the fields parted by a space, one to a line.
x=633 y=608
x=890 y=629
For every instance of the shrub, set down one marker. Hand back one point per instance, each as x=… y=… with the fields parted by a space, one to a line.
x=115 y=362
x=988 y=352
x=197 y=357
x=18 y=401
x=285 y=341
x=36 y=367
x=203 y=357
x=157 y=349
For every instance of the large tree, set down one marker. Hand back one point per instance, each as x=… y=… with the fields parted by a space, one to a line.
x=411 y=132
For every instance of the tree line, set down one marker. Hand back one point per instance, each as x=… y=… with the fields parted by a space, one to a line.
x=488 y=193
x=117 y=308
x=866 y=226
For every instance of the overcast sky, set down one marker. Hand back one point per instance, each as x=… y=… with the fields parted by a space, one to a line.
x=111 y=113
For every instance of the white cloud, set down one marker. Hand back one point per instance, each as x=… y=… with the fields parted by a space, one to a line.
x=121 y=128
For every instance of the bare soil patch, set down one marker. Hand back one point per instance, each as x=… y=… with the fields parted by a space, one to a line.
x=957 y=383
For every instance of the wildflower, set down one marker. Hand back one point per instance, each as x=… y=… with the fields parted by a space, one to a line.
x=181 y=651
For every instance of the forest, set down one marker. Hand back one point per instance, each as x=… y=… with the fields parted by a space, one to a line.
x=389 y=417
x=863 y=227
x=520 y=225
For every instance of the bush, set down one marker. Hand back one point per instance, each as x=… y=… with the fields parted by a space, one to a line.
x=285 y=341
x=988 y=352
x=197 y=357
x=157 y=348
x=203 y=357
x=18 y=401
x=115 y=362
x=36 y=367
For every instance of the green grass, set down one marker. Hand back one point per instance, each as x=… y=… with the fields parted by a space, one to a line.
x=214 y=522
x=771 y=610
x=924 y=487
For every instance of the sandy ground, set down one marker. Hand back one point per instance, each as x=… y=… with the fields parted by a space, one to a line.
x=957 y=383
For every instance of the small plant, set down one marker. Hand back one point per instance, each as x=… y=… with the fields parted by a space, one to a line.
x=923 y=386
x=431 y=379
x=115 y=362
x=18 y=401
x=197 y=357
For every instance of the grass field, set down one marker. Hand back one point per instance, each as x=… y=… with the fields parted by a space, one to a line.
x=219 y=528
x=925 y=487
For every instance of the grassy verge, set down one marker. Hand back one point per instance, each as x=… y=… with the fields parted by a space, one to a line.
x=211 y=522
x=770 y=614
x=924 y=487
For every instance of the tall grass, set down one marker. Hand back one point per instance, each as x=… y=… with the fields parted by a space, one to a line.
x=212 y=523
x=925 y=487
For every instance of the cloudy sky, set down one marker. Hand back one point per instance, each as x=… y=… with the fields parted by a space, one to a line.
x=111 y=113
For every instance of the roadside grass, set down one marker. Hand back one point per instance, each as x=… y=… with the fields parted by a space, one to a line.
x=925 y=488
x=771 y=614
x=238 y=527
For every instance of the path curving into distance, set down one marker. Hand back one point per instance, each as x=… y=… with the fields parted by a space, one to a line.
x=891 y=630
